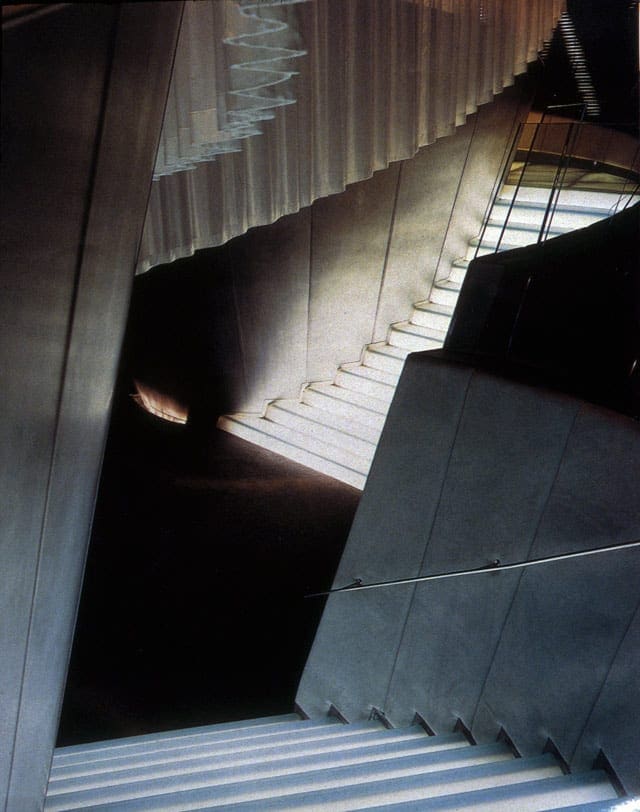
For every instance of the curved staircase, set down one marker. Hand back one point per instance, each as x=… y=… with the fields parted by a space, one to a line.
x=334 y=426
x=289 y=763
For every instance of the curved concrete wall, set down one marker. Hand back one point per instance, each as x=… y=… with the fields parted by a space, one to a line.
x=472 y=467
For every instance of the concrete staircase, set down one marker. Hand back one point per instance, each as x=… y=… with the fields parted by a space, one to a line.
x=289 y=763
x=334 y=426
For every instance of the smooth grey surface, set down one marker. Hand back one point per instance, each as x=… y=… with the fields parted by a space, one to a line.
x=86 y=87
x=502 y=469
x=472 y=467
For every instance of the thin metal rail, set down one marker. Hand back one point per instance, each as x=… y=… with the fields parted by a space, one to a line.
x=494 y=566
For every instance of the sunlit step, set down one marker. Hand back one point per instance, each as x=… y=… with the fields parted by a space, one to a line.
x=385 y=357
x=566 y=216
x=607 y=201
x=458 y=270
x=367 y=410
x=475 y=249
x=518 y=233
x=445 y=292
x=367 y=380
x=433 y=316
x=322 y=417
x=413 y=337
x=306 y=420
x=298 y=447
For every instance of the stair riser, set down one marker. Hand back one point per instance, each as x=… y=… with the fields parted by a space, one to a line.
x=412 y=342
x=444 y=296
x=350 y=411
x=387 y=363
x=431 y=320
x=458 y=274
x=367 y=387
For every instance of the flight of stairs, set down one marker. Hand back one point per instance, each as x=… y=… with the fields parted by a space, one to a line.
x=334 y=426
x=289 y=763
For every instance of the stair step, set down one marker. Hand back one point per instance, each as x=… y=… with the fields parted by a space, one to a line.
x=371 y=373
x=385 y=357
x=271 y=761
x=324 y=418
x=327 y=395
x=180 y=760
x=360 y=379
x=488 y=247
x=301 y=448
x=305 y=419
x=445 y=292
x=570 y=217
x=269 y=729
x=333 y=733
x=414 y=337
x=346 y=788
x=432 y=315
x=80 y=752
x=519 y=233
x=459 y=269
x=591 y=201
x=570 y=791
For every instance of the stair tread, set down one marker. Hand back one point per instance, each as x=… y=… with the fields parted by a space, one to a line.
x=385 y=744
x=364 y=401
x=170 y=739
x=316 y=731
x=331 y=789
x=297 y=775
x=444 y=310
x=386 y=378
x=328 y=419
x=305 y=442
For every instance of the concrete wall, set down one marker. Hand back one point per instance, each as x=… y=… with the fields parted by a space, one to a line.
x=308 y=292
x=83 y=91
x=472 y=467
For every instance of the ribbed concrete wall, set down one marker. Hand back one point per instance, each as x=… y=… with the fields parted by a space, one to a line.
x=471 y=468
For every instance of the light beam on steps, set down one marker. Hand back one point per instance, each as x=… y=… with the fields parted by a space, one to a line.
x=334 y=426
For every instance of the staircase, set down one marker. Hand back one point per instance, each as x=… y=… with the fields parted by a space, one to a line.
x=285 y=762
x=334 y=426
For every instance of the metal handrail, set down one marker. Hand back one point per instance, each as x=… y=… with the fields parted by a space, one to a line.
x=494 y=566
x=567 y=154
